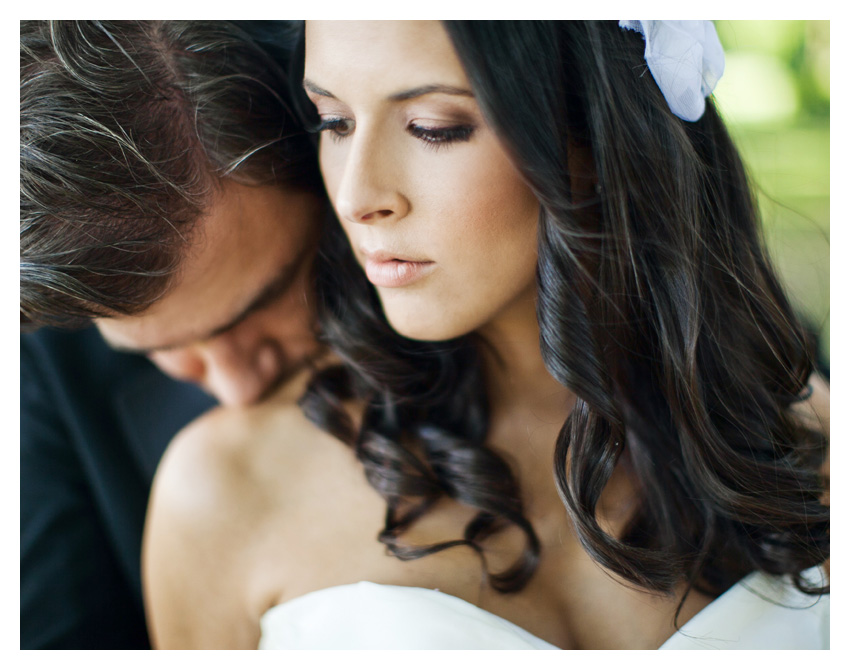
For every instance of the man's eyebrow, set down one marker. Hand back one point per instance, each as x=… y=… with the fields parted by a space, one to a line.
x=409 y=94
x=273 y=290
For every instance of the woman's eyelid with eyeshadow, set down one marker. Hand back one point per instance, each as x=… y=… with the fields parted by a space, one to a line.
x=439 y=119
x=442 y=110
x=328 y=107
x=333 y=116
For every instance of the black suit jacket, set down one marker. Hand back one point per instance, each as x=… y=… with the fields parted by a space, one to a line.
x=94 y=424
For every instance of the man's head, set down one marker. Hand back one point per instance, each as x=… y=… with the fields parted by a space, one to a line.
x=169 y=195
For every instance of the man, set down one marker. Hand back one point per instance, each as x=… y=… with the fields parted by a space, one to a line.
x=170 y=198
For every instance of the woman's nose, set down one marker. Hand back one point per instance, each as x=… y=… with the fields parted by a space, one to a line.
x=369 y=187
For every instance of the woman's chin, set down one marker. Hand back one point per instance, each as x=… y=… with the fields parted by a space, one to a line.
x=421 y=315
x=424 y=332
x=429 y=327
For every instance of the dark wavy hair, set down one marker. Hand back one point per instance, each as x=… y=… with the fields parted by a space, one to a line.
x=658 y=308
x=126 y=126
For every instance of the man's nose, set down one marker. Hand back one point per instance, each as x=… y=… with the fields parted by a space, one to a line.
x=240 y=375
x=234 y=372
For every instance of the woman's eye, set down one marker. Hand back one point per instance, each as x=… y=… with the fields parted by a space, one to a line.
x=441 y=136
x=338 y=127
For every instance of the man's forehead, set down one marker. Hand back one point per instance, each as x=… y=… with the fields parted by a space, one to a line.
x=246 y=250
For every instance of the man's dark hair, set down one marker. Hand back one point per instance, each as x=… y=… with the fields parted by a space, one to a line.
x=126 y=128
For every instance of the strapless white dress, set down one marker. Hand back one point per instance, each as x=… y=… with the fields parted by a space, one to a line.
x=760 y=612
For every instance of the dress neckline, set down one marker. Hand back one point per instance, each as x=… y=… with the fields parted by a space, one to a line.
x=457 y=604
x=756 y=589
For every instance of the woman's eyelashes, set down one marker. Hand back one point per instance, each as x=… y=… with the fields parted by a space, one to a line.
x=442 y=136
x=339 y=128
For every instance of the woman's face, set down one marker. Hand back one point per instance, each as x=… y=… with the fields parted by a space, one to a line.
x=436 y=213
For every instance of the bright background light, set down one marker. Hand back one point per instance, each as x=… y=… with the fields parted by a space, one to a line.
x=774 y=96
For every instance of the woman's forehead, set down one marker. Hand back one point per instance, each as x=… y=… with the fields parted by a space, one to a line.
x=381 y=55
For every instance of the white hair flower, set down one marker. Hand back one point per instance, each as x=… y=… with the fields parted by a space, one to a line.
x=685 y=59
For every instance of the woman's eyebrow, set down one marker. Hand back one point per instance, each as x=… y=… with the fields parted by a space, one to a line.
x=408 y=94
x=431 y=88
x=310 y=86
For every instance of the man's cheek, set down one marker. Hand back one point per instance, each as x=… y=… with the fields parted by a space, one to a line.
x=181 y=365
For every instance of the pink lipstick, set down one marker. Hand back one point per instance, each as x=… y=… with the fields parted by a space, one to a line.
x=388 y=271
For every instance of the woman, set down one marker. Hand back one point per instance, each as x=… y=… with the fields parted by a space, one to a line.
x=556 y=267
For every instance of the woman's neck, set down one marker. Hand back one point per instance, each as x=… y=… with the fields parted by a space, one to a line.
x=527 y=406
x=517 y=377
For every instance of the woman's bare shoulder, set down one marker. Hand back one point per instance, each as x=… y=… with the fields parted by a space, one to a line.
x=219 y=480
x=815 y=413
x=817 y=409
x=817 y=406
x=814 y=410
x=237 y=453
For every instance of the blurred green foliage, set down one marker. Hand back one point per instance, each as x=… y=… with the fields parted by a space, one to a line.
x=774 y=96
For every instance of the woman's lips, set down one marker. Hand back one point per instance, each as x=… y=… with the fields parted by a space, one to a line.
x=387 y=272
